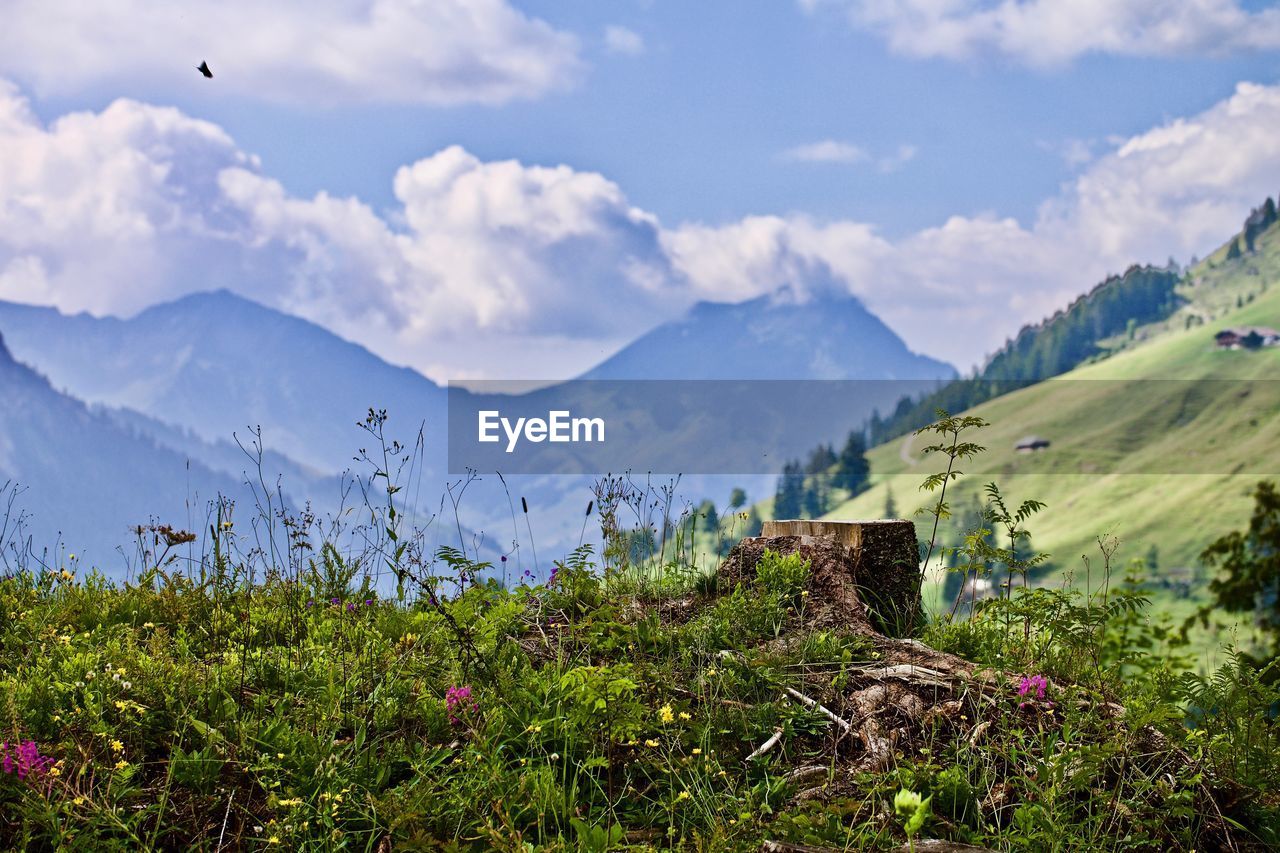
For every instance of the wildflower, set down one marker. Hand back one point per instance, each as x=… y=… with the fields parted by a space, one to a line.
x=685 y=715
x=665 y=714
x=280 y=755
x=650 y=742
x=456 y=701
x=148 y=624
x=1030 y=685
x=711 y=673
x=127 y=685
x=121 y=764
x=555 y=756
x=78 y=801
x=311 y=602
x=906 y=802
x=697 y=751
x=275 y=839
x=683 y=795
x=117 y=746
x=368 y=602
x=335 y=601
x=24 y=760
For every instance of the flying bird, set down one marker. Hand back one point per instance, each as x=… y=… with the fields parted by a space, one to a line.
x=203 y=68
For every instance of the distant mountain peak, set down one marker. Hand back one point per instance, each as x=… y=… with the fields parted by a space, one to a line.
x=779 y=335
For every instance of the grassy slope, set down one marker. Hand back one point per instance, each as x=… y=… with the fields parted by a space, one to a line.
x=1137 y=428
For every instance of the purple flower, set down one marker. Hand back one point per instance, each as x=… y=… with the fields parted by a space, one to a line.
x=1034 y=682
x=457 y=701
x=368 y=602
x=335 y=601
x=311 y=602
x=1033 y=686
x=24 y=760
x=504 y=558
x=351 y=607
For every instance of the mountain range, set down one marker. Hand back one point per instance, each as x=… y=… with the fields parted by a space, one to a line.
x=182 y=384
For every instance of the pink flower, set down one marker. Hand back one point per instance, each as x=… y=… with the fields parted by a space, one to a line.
x=457 y=701
x=24 y=759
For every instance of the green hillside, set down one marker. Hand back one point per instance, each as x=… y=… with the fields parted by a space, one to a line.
x=1115 y=444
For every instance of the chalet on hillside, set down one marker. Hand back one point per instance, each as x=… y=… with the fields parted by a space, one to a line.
x=1031 y=444
x=1247 y=337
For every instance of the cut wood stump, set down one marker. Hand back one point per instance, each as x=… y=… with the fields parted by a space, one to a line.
x=867 y=573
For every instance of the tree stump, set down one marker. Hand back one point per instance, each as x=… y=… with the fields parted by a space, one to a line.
x=864 y=573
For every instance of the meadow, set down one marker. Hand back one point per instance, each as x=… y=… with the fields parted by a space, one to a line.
x=238 y=695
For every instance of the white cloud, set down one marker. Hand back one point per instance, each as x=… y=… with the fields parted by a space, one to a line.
x=1049 y=32
x=957 y=290
x=624 y=41
x=403 y=51
x=504 y=269
x=826 y=151
x=899 y=158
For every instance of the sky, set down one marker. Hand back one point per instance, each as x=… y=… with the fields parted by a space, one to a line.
x=507 y=189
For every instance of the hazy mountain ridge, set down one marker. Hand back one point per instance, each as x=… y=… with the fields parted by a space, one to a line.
x=216 y=363
x=772 y=338
x=84 y=475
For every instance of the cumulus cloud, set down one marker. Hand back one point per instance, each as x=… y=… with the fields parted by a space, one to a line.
x=958 y=289
x=512 y=270
x=403 y=51
x=623 y=41
x=113 y=211
x=1047 y=32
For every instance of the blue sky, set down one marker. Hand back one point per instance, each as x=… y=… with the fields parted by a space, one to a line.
x=961 y=167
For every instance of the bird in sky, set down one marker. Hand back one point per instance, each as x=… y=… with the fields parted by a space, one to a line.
x=203 y=68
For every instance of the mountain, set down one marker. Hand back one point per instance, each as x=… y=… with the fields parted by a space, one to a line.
x=772 y=337
x=1086 y=329
x=85 y=480
x=215 y=363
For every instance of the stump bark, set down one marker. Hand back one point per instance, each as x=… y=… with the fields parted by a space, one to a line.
x=869 y=571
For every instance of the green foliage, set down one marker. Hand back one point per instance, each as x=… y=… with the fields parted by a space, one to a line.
x=783 y=575
x=595 y=712
x=1249 y=581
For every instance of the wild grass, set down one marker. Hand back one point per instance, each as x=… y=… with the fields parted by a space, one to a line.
x=322 y=690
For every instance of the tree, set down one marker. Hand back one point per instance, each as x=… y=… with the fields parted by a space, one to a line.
x=852 y=469
x=890 y=505
x=737 y=499
x=820 y=460
x=1234 y=251
x=788 y=502
x=1249 y=563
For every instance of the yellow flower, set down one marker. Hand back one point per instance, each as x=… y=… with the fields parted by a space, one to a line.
x=665 y=714
x=684 y=715
x=117 y=746
x=148 y=624
x=697 y=751
x=275 y=839
x=650 y=742
x=55 y=771
x=78 y=801
x=712 y=672
x=280 y=755
x=121 y=764
x=684 y=795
